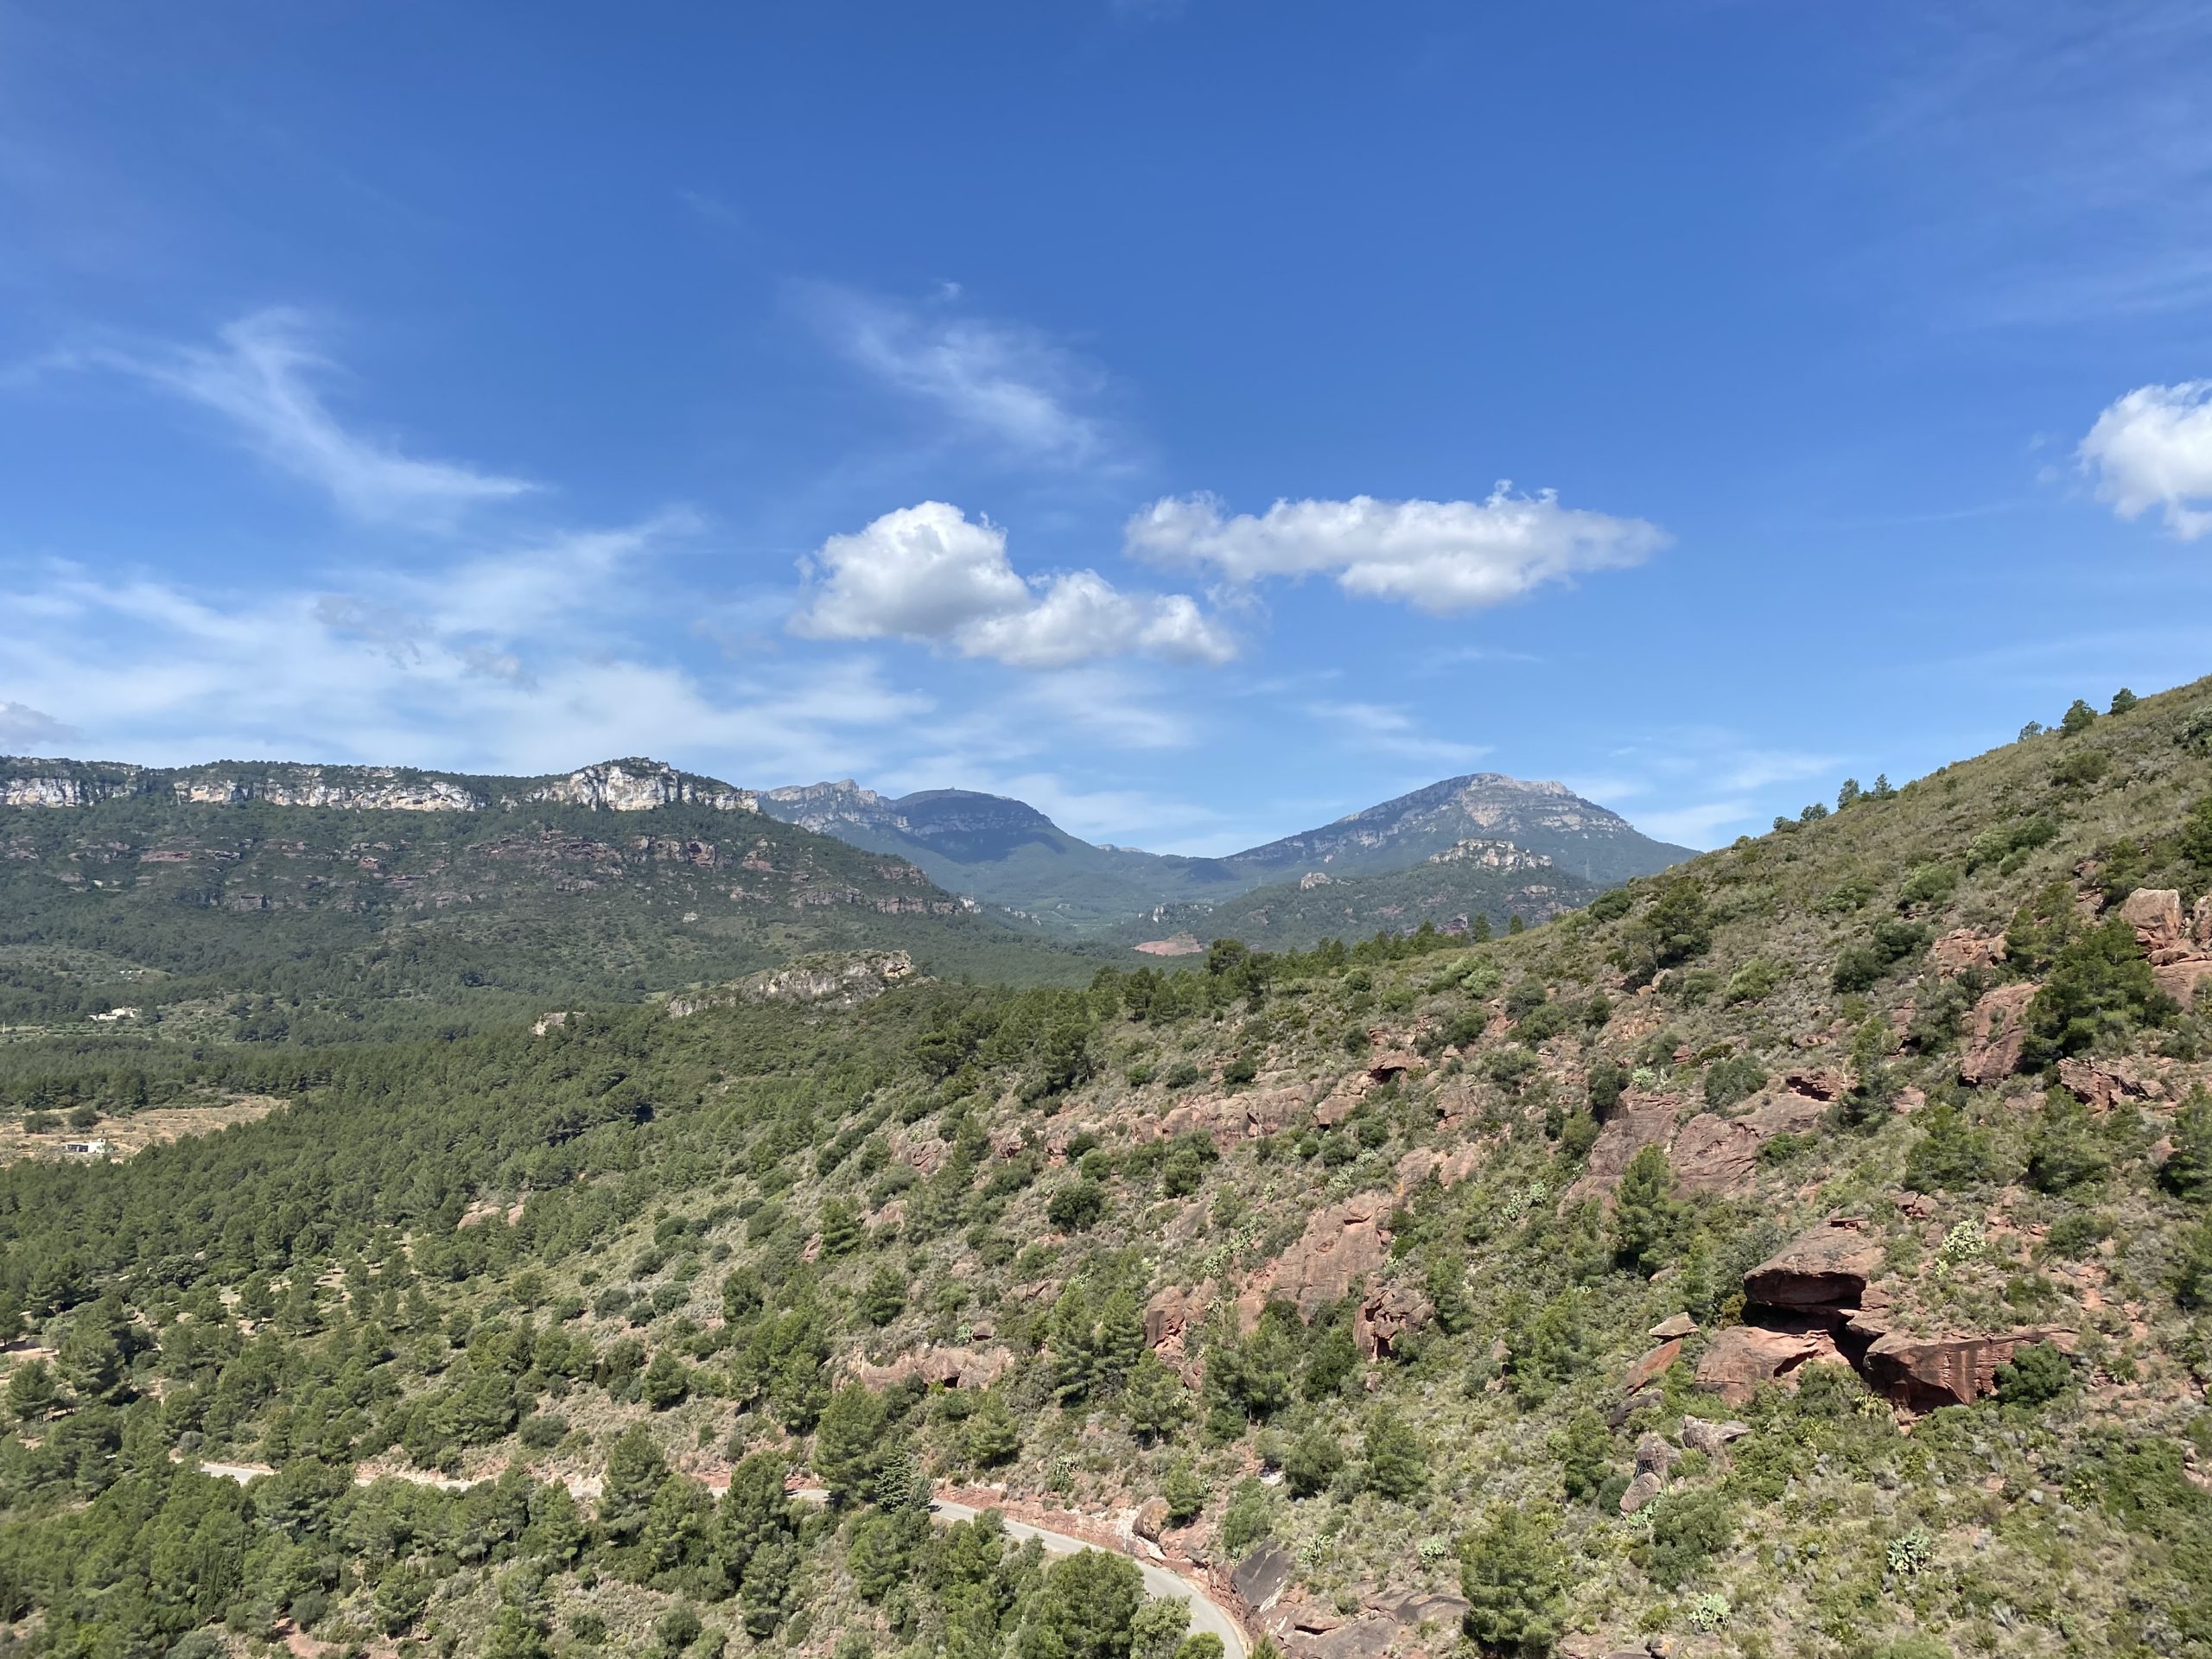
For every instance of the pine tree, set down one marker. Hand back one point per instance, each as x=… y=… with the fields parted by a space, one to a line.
x=1396 y=1462
x=1585 y=1449
x=849 y=1444
x=1646 y=1214
x=1312 y=1461
x=993 y=1435
x=1513 y=1574
x=2187 y=1173
x=1120 y=1340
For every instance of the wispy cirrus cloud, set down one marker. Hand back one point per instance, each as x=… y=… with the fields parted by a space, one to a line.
x=263 y=376
x=1009 y=385
x=1386 y=728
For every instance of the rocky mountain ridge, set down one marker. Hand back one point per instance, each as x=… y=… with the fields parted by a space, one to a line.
x=630 y=784
x=1006 y=852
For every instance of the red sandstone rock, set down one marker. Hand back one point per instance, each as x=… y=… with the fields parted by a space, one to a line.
x=2102 y=1084
x=1643 y=1120
x=1955 y=953
x=1743 y=1357
x=1386 y=1317
x=1342 y=1245
x=1999 y=1033
x=1647 y=1369
x=1170 y=1316
x=1929 y=1371
x=1716 y=1154
x=1826 y=1268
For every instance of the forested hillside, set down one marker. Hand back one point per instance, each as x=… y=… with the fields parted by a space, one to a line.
x=1473 y=889
x=1804 y=1251
x=261 y=921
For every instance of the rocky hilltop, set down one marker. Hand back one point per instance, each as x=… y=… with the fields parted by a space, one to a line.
x=627 y=786
x=1546 y=818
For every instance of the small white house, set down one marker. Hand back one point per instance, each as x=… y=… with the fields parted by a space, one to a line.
x=95 y=1148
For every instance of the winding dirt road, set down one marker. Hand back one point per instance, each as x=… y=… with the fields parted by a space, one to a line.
x=1207 y=1615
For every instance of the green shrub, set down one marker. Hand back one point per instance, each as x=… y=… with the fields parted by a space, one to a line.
x=1248 y=1518
x=2099 y=991
x=1688 y=1530
x=1929 y=884
x=2037 y=1374
x=2004 y=845
x=1951 y=1155
x=1737 y=1077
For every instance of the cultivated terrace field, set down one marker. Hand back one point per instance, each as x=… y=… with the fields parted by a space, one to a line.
x=1804 y=1252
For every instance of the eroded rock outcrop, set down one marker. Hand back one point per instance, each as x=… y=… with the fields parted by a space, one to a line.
x=951 y=1368
x=1718 y=1156
x=1642 y=1120
x=2000 y=1034
x=1929 y=1371
x=1743 y=1357
x=840 y=980
x=1826 y=1269
x=1385 y=1319
x=1342 y=1245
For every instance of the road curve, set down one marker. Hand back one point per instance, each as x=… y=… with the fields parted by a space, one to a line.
x=1206 y=1614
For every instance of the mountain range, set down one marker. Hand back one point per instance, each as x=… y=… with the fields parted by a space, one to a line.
x=1005 y=852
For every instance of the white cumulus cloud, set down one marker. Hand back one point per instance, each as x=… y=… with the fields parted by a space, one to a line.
x=2153 y=449
x=1441 y=556
x=931 y=574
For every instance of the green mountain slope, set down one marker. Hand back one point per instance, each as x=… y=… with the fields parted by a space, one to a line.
x=1477 y=885
x=1805 y=1251
x=1003 y=851
x=264 y=918
x=1007 y=853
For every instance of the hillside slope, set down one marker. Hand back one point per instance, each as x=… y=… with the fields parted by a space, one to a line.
x=1474 y=887
x=1807 y=1252
x=324 y=903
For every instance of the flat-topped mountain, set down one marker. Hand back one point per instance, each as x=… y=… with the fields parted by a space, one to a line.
x=353 y=900
x=631 y=785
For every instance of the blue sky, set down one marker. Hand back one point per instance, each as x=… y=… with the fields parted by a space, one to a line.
x=1105 y=404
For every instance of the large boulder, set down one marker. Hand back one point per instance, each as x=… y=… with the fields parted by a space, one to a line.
x=2155 y=914
x=1711 y=1439
x=1342 y=1245
x=2000 y=1034
x=1385 y=1317
x=1718 y=1156
x=2102 y=1085
x=1642 y=1120
x=1170 y=1318
x=1648 y=1369
x=1827 y=1267
x=1260 y=1579
x=1743 y=1357
x=1925 y=1372
x=1955 y=952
